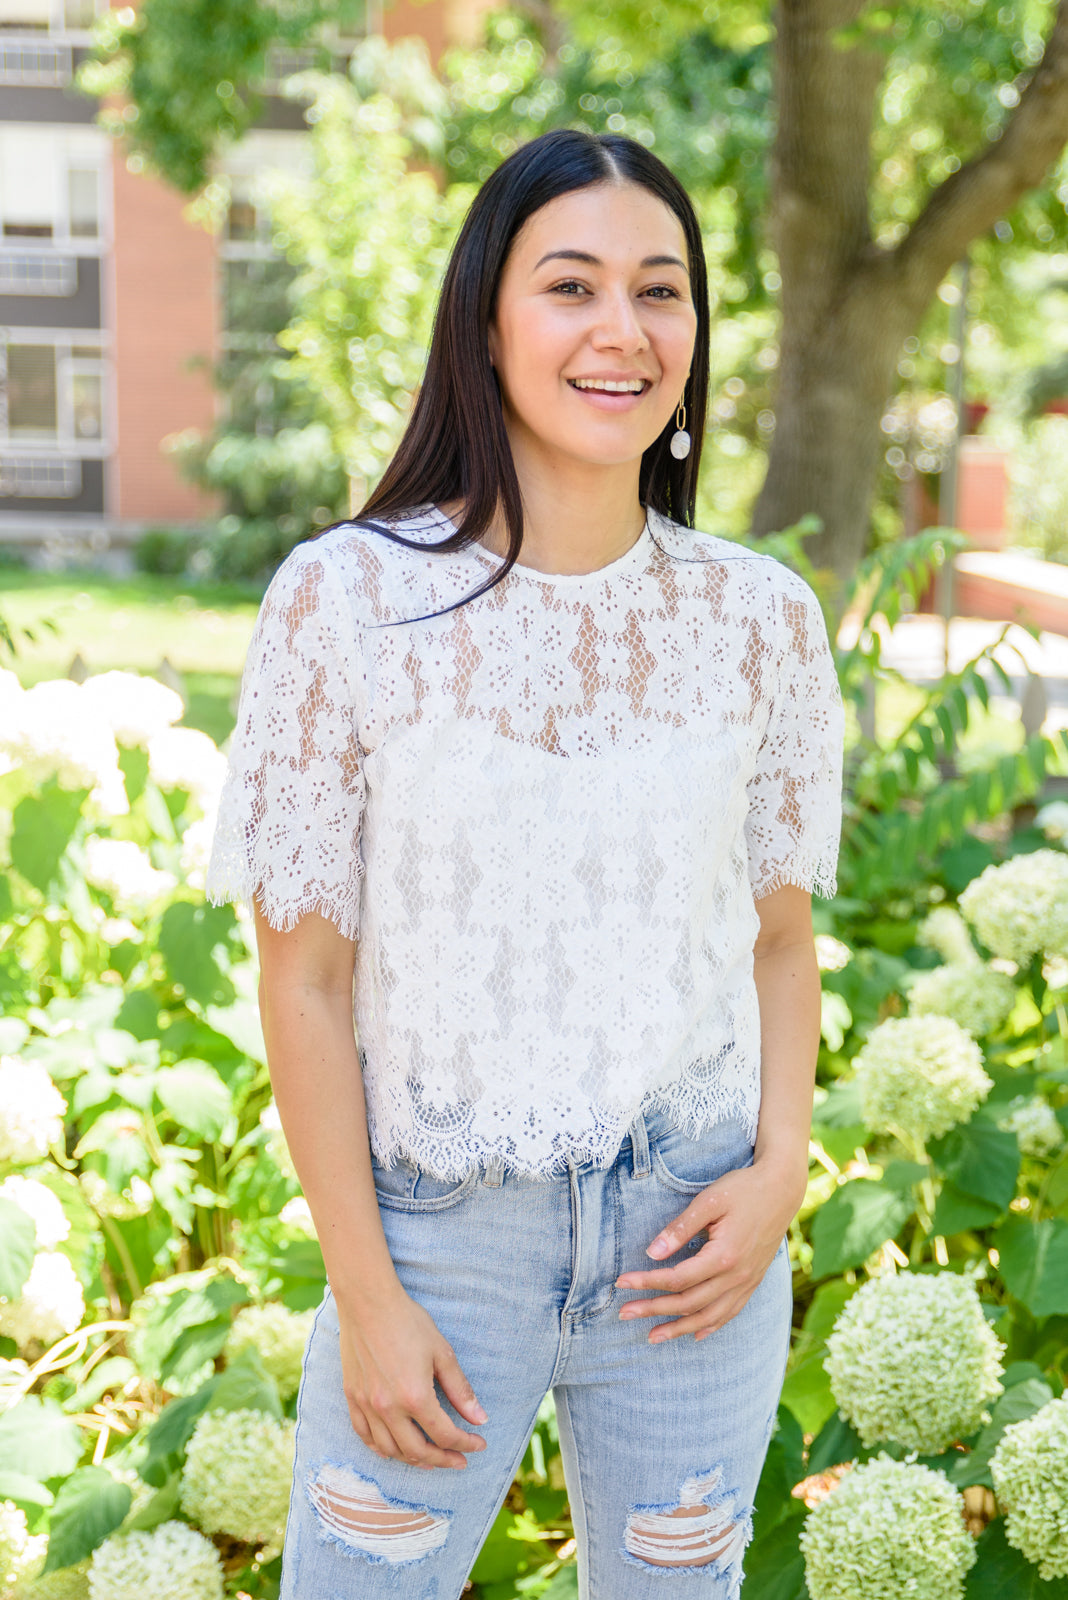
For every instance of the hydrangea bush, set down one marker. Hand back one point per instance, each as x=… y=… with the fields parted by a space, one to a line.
x=158 y=1252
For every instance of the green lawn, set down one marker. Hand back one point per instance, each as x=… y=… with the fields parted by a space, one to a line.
x=134 y=623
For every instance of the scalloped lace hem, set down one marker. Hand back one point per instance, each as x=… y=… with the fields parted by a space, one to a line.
x=237 y=887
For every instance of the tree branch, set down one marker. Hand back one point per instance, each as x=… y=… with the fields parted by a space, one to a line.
x=981 y=191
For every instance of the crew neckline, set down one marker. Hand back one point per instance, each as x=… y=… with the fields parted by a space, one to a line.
x=635 y=556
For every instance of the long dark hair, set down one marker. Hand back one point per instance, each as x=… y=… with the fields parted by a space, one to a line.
x=455 y=445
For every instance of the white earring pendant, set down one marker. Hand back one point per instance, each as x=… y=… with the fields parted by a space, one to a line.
x=680 y=439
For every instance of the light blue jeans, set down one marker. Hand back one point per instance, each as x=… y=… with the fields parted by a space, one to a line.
x=519 y=1275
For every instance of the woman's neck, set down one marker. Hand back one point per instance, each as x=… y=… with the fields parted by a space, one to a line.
x=576 y=517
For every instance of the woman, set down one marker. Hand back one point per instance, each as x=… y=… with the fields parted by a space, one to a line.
x=555 y=777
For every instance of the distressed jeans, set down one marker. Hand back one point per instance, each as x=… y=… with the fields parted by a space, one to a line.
x=662 y=1445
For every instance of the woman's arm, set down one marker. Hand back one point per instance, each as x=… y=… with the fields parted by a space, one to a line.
x=391 y=1351
x=747 y=1212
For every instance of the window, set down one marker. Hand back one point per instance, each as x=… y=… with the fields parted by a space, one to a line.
x=83 y=203
x=35 y=272
x=55 y=393
x=31 y=388
x=33 y=477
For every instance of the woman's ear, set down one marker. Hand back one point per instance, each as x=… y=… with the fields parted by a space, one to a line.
x=491 y=345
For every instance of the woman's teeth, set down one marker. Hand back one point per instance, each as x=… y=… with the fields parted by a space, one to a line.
x=630 y=386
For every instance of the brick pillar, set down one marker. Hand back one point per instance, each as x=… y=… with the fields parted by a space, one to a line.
x=165 y=321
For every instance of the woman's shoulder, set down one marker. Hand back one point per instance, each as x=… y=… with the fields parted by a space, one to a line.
x=379 y=568
x=753 y=572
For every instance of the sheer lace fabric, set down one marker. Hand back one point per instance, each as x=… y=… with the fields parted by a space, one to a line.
x=544 y=818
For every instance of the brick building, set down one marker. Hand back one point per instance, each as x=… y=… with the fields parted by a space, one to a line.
x=112 y=305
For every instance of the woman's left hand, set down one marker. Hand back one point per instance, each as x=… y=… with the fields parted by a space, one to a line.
x=746 y=1221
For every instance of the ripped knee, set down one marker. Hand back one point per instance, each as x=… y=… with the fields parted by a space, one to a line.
x=701 y=1529
x=354 y=1514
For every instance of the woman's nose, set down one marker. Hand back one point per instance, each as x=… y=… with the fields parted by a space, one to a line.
x=619 y=326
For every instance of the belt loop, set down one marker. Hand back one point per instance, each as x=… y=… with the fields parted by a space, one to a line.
x=639 y=1148
x=493 y=1174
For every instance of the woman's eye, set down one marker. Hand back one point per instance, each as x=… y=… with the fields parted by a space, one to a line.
x=570 y=288
x=663 y=291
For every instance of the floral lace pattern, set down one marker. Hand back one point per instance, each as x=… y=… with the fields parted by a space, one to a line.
x=544 y=818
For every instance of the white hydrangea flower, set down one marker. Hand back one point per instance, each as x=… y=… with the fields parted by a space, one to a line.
x=31 y=1110
x=55 y=731
x=196 y=850
x=1021 y=908
x=945 y=930
x=276 y=1146
x=1030 y=1472
x=122 y=869
x=279 y=1335
x=134 y=706
x=920 y=1074
x=886 y=1530
x=20 y=1551
x=172 y=1562
x=237 y=1475
x=973 y=996
x=831 y=954
x=185 y=758
x=1034 y=1122
x=297 y=1214
x=1053 y=820
x=40 y=1204
x=911 y=1358
x=50 y=1305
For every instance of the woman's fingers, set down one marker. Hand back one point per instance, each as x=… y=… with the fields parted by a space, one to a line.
x=456 y=1388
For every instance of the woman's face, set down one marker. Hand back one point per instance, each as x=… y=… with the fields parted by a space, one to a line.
x=594 y=329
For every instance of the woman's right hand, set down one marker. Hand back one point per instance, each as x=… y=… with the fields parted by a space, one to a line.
x=391 y=1354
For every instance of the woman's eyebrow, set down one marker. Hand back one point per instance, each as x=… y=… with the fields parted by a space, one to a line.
x=595 y=261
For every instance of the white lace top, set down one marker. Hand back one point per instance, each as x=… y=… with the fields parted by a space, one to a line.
x=544 y=818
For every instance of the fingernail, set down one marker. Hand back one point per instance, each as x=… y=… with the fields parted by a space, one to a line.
x=659 y=1248
x=479 y=1414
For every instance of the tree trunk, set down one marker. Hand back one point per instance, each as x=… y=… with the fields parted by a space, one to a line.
x=848 y=303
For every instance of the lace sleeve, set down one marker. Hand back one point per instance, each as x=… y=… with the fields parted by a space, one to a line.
x=289 y=818
x=795 y=794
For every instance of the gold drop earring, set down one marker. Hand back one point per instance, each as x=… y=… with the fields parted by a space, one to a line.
x=680 y=439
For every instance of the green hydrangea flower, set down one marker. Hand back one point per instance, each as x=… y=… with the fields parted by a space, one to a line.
x=1035 y=1124
x=975 y=997
x=889 y=1529
x=912 y=1358
x=173 y=1562
x=20 y=1551
x=68 y=1583
x=1020 y=909
x=1030 y=1473
x=238 y=1471
x=945 y=930
x=279 y=1335
x=920 y=1074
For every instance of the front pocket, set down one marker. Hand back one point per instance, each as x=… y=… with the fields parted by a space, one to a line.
x=689 y=1165
x=406 y=1187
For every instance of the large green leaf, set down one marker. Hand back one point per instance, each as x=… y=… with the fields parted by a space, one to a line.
x=807 y=1389
x=246 y=1385
x=837 y=1441
x=1016 y=1404
x=37 y=1440
x=196 y=1098
x=43 y=826
x=1002 y=1573
x=855 y=1220
x=774 y=1565
x=89 y=1506
x=171 y=1432
x=980 y=1159
x=193 y=942
x=23 y=1490
x=18 y=1243
x=1033 y=1261
x=197 y=1304
x=957 y=1212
